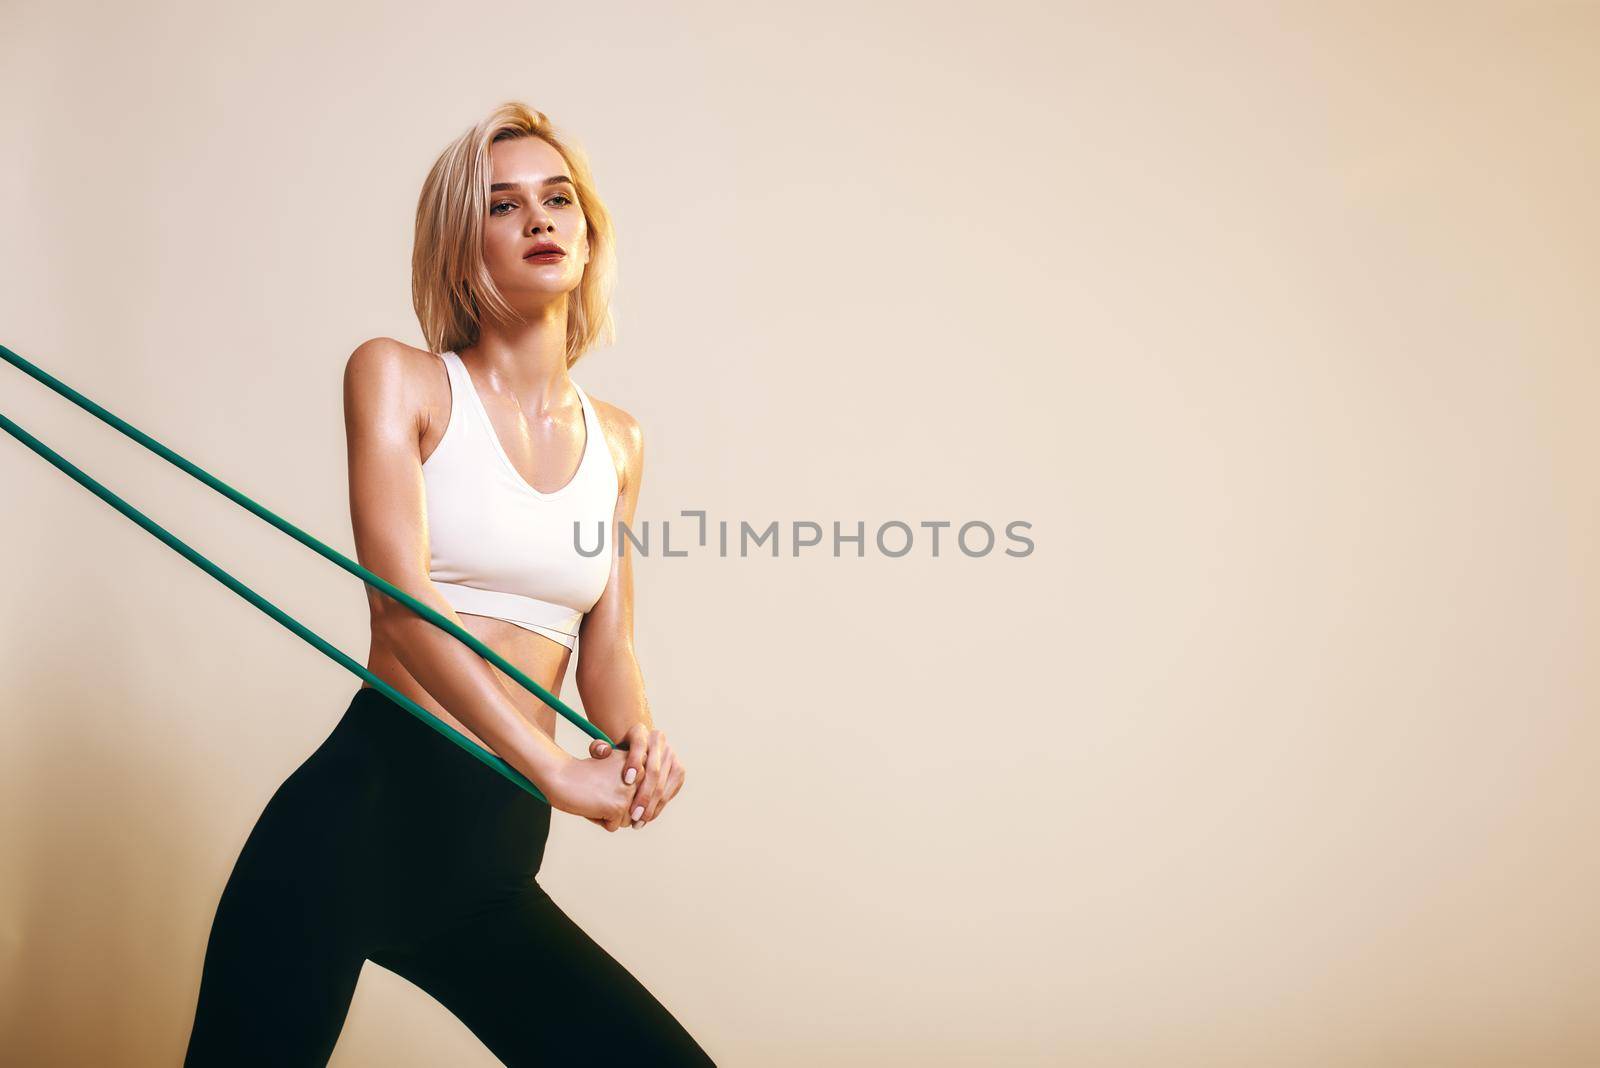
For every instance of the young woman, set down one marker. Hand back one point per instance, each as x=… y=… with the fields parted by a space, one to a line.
x=468 y=473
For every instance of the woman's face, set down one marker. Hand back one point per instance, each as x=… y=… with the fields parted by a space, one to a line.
x=531 y=200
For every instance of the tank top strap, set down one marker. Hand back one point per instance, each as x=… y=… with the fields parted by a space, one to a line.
x=591 y=418
x=455 y=369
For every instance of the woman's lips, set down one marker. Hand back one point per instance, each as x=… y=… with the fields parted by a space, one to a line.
x=544 y=257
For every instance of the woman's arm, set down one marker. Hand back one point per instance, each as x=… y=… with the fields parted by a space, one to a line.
x=608 y=675
x=383 y=424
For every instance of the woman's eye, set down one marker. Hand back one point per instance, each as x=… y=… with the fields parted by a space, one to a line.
x=495 y=208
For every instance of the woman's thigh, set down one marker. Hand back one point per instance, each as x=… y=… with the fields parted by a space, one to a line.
x=537 y=990
x=272 y=992
x=291 y=929
x=285 y=948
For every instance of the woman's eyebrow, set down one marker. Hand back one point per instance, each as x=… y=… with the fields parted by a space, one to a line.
x=553 y=180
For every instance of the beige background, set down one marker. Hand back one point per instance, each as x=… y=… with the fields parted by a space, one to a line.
x=1277 y=322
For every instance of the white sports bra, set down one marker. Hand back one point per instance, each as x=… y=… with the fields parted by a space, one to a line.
x=500 y=548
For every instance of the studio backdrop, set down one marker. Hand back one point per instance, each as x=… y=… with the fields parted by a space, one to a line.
x=1119 y=532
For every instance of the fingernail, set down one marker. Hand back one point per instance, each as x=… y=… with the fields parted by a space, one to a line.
x=637 y=825
x=633 y=773
x=637 y=812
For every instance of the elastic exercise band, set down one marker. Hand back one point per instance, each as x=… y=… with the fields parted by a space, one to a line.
x=339 y=657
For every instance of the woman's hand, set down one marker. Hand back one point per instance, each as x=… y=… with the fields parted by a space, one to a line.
x=653 y=765
x=593 y=789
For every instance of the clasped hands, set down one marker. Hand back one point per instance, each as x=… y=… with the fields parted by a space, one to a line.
x=650 y=766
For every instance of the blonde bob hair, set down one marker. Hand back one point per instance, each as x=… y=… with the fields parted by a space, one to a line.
x=450 y=285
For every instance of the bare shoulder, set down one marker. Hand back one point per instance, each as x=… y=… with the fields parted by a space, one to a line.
x=385 y=357
x=388 y=379
x=624 y=435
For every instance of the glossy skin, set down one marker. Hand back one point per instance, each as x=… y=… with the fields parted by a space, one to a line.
x=397 y=405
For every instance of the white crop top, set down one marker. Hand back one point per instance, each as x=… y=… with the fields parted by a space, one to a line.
x=500 y=548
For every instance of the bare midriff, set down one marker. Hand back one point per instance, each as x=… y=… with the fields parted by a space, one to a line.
x=542 y=659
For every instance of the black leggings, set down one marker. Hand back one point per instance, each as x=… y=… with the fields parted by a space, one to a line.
x=391 y=844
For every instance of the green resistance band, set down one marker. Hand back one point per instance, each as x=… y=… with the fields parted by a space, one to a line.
x=304 y=632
